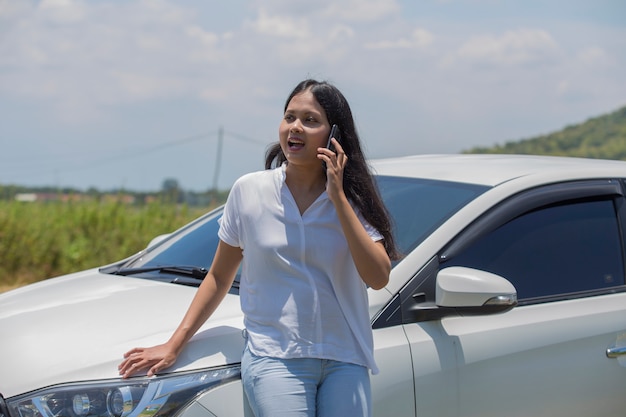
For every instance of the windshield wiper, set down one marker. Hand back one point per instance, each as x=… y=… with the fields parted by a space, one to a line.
x=191 y=271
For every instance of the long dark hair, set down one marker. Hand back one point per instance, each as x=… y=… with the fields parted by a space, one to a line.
x=357 y=179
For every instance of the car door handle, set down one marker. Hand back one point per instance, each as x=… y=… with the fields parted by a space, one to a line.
x=616 y=352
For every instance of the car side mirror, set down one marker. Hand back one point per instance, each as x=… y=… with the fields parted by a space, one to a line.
x=460 y=287
x=461 y=291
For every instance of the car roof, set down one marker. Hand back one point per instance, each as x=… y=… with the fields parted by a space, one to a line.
x=494 y=169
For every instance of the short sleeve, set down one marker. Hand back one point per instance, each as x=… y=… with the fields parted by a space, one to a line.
x=371 y=230
x=230 y=225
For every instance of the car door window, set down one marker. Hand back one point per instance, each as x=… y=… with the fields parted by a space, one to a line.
x=564 y=248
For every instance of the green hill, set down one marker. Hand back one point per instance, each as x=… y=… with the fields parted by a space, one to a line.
x=599 y=137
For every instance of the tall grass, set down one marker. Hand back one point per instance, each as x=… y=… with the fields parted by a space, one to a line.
x=42 y=240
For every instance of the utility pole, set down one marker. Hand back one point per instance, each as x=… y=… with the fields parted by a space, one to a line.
x=218 y=160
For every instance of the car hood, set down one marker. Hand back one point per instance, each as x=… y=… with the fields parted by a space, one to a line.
x=77 y=327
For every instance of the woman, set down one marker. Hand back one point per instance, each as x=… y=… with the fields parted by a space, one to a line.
x=311 y=237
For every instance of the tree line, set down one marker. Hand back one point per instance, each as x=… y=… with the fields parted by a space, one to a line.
x=170 y=192
x=602 y=137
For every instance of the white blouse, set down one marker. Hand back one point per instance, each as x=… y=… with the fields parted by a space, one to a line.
x=300 y=291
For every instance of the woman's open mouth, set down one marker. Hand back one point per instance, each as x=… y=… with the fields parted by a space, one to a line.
x=295 y=144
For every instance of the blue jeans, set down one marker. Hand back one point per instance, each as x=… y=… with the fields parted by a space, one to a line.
x=306 y=387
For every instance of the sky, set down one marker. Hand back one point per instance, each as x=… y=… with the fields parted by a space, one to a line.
x=112 y=94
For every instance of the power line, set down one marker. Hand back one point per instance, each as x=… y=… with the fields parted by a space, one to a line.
x=245 y=138
x=131 y=152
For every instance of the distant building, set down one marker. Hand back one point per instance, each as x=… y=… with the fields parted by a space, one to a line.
x=62 y=197
x=26 y=197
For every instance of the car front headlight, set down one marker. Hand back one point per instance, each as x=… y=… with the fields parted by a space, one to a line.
x=156 y=396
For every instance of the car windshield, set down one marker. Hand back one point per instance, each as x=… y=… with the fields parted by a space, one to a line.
x=417 y=208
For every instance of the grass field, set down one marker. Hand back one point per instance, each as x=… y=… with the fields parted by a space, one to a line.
x=44 y=240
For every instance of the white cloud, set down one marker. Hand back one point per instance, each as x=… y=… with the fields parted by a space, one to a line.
x=12 y=9
x=281 y=26
x=84 y=56
x=294 y=41
x=341 y=33
x=420 y=38
x=563 y=87
x=331 y=10
x=63 y=11
x=513 y=48
x=361 y=10
x=205 y=37
x=593 y=56
x=146 y=86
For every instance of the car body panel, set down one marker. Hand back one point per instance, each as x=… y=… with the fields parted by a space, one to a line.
x=225 y=400
x=493 y=170
x=392 y=388
x=556 y=353
x=51 y=343
x=434 y=367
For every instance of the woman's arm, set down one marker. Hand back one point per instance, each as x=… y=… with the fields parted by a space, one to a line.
x=370 y=257
x=211 y=292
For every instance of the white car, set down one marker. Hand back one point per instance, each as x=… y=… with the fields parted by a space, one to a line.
x=510 y=301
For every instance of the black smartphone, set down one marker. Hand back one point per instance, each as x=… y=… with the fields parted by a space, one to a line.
x=334 y=133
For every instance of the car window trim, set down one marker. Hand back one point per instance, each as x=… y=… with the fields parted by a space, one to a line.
x=533 y=199
x=526 y=201
x=571 y=296
x=403 y=308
